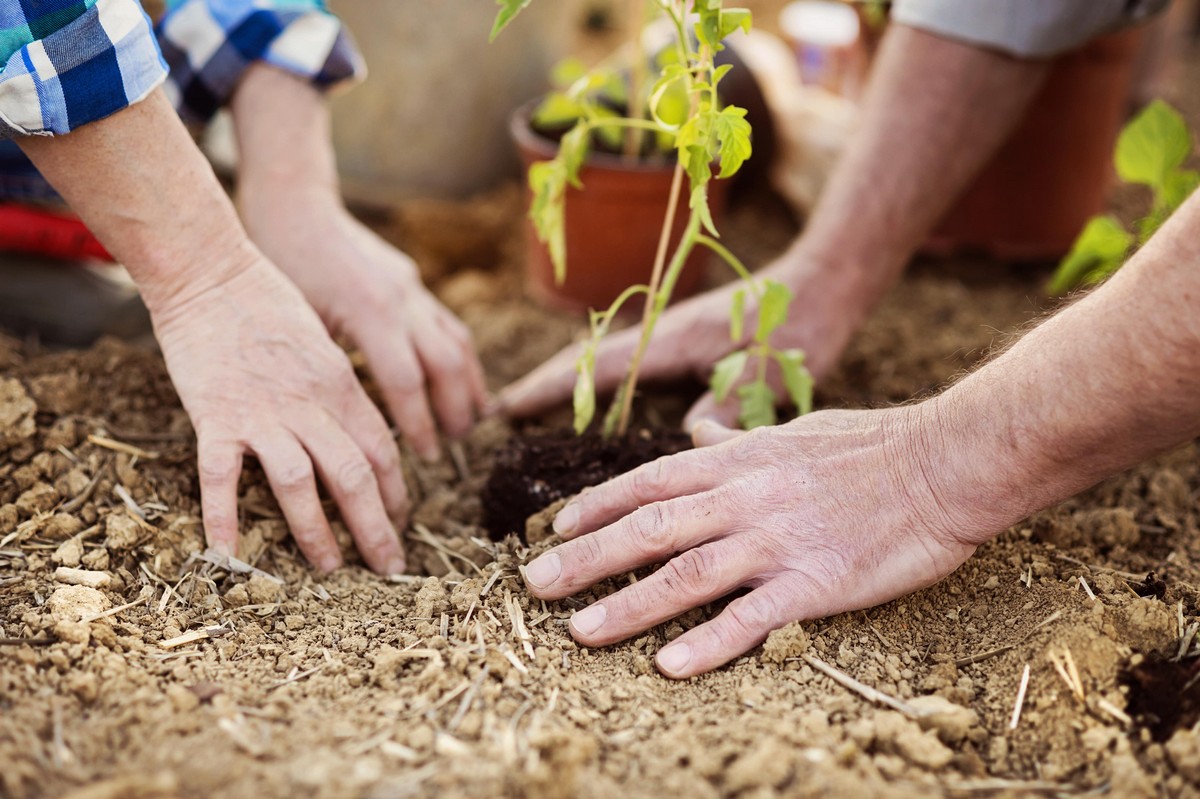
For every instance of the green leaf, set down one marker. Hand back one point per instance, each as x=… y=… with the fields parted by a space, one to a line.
x=699 y=204
x=548 y=183
x=1153 y=144
x=557 y=110
x=574 y=150
x=567 y=71
x=1102 y=245
x=757 y=405
x=726 y=373
x=734 y=18
x=507 y=13
x=772 y=310
x=1179 y=186
x=669 y=102
x=796 y=378
x=733 y=134
x=737 y=316
x=584 y=397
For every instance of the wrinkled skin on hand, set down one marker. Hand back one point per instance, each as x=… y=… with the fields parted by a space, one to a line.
x=420 y=354
x=692 y=336
x=258 y=374
x=829 y=513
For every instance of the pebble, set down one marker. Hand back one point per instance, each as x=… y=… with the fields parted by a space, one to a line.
x=91 y=579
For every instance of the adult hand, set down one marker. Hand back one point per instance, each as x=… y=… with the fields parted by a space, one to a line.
x=832 y=512
x=693 y=335
x=258 y=374
x=420 y=354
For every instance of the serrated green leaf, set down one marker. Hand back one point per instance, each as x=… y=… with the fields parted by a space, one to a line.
x=733 y=135
x=668 y=100
x=720 y=72
x=772 y=309
x=548 y=184
x=507 y=13
x=737 y=316
x=796 y=378
x=757 y=405
x=726 y=373
x=574 y=150
x=1101 y=245
x=734 y=18
x=1153 y=144
x=699 y=203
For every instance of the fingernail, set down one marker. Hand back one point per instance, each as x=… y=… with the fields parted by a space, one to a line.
x=543 y=571
x=674 y=658
x=396 y=565
x=588 y=620
x=432 y=455
x=329 y=563
x=567 y=520
x=223 y=549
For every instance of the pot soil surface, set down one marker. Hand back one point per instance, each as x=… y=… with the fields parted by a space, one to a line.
x=180 y=678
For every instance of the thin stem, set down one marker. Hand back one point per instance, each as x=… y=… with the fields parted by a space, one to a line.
x=732 y=260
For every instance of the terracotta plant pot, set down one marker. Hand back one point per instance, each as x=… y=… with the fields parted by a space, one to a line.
x=612 y=225
x=1032 y=199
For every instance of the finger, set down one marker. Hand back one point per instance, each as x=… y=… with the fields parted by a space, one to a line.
x=220 y=465
x=666 y=478
x=400 y=378
x=707 y=408
x=648 y=535
x=708 y=433
x=743 y=625
x=363 y=421
x=290 y=472
x=690 y=580
x=476 y=382
x=348 y=475
x=445 y=364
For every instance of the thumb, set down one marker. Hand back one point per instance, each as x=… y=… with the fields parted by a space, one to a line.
x=707 y=408
x=708 y=433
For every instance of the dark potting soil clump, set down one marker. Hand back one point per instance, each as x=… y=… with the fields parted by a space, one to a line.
x=534 y=471
x=1164 y=694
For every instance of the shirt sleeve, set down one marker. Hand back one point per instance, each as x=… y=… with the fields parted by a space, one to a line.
x=208 y=44
x=1024 y=28
x=66 y=64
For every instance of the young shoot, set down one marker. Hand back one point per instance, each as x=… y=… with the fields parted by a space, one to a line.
x=682 y=114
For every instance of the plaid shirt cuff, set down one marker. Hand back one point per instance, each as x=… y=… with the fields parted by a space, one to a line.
x=101 y=61
x=208 y=44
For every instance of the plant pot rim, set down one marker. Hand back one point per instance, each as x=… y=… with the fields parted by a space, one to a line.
x=521 y=128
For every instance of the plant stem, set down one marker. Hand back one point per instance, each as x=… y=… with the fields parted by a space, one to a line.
x=637 y=79
x=649 y=314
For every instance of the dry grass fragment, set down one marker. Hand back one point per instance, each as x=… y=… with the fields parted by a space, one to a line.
x=1020 y=703
x=121 y=446
x=872 y=695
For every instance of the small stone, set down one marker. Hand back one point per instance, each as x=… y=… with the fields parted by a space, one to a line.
x=83 y=577
x=951 y=721
x=75 y=602
x=895 y=733
x=121 y=533
x=787 y=642
x=39 y=499
x=17 y=411
x=69 y=553
x=293 y=621
x=73 y=632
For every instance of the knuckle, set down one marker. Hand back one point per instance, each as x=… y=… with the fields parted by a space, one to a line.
x=690 y=571
x=355 y=476
x=295 y=477
x=752 y=616
x=651 y=528
x=586 y=555
x=219 y=469
x=650 y=480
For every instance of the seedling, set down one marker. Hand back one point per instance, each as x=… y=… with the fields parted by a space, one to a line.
x=1150 y=151
x=683 y=115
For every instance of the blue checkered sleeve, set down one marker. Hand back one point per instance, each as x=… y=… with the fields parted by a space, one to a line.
x=208 y=44
x=70 y=62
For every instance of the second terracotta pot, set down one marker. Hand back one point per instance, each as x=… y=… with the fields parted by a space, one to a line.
x=612 y=225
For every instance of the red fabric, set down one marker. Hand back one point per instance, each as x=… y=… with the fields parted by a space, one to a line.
x=39 y=232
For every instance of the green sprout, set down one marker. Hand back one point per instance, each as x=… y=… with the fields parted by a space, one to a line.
x=1150 y=151
x=679 y=112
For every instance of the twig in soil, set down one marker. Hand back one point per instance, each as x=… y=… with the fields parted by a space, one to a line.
x=996 y=785
x=27 y=641
x=468 y=698
x=320 y=592
x=141 y=600
x=123 y=494
x=513 y=659
x=192 y=636
x=76 y=502
x=872 y=695
x=1185 y=643
x=121 y=446
x=518 y=623
x=1087 y=588
x=491 y=581
x=230 y=563
x=459 y=458
x=68 y=454
x=982 y=656
x=1020 y=703
x=295 y=676
x=1105 y=569
x=1061 y=667
x=1114 y=711
x=422 y=534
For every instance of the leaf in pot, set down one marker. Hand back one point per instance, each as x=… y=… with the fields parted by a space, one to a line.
x=1101 y=247
x=772 y=309
x=1153 y=144
x=796 y=378
x=757 y=405
x=548 y=182
x=733 y=132
x=507 y=13
x=726 y=373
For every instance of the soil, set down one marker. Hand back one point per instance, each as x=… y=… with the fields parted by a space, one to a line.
x=149 y=671
x=533 y=472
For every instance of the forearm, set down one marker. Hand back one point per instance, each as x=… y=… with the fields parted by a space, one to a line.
x=141 y=185
x=934 y=113
x=282 y=125
x=1099 y=387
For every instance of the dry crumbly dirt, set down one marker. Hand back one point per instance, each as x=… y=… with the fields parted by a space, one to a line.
x=454 y=682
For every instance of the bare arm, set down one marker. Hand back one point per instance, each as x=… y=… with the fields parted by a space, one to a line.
x=252 y=365
x=421 y=355
x=936 y=110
